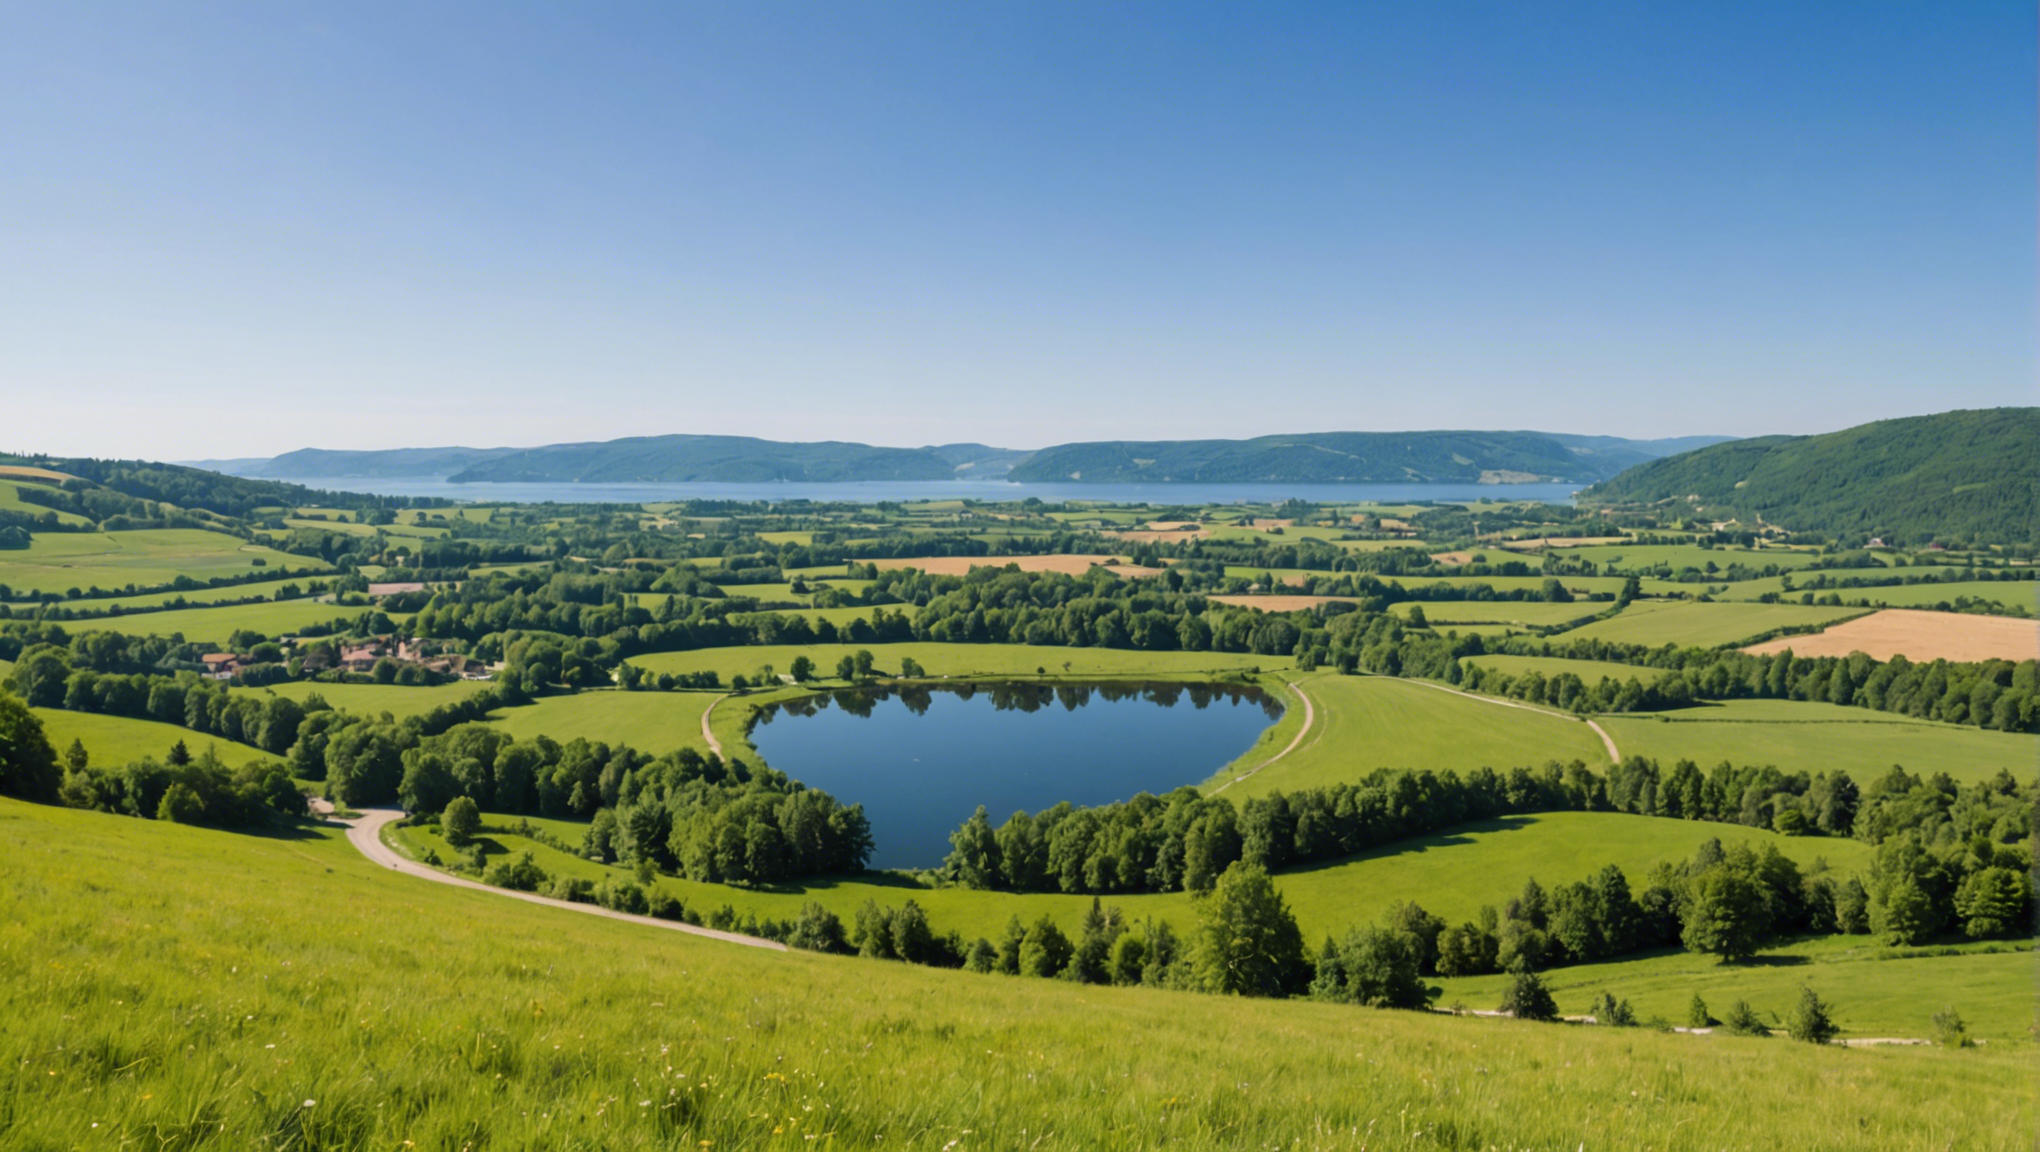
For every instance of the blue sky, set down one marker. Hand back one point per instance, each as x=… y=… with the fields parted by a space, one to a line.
x=234 y=230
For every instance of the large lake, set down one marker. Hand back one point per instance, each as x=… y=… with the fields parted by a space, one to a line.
x=921 y=761
x=988 y=490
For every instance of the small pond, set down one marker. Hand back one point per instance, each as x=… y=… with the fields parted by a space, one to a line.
x=921 y=760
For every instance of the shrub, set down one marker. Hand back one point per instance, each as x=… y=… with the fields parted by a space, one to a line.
x=1528 y=999
x=522 y=875
x=461 y=822
x=1742 y=1020
x=1950 y=1031
x=1811 y=1021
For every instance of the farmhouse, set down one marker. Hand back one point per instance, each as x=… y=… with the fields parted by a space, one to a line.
x=221 y=665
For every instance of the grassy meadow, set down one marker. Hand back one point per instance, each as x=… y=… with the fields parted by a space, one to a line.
x=655 y=722
x=1369 y=722
x=167 y=985
x=113 y=740
x=215 y=625
x=1797 y=736
x=966 y=660
x=57 y=562
x=1693 y=624
x=372 y=699
x=1590 y=671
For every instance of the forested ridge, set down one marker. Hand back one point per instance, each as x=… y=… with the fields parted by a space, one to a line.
x=1965 y=477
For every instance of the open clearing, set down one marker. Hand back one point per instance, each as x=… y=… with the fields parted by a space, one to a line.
x=1918 y=636
x=655 y=722
x=1526 y=612
x=1369 y=722
x=581 y=1017
x=1693 y=624
x=59 y=561
x=1797 y=736
x=112 y=740
x=215 y=625
x=372 y=699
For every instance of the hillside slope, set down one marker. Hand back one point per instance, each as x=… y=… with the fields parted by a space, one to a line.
x=174 y=987
x=1342 y=457
x=730 y=459
x=1956 y=477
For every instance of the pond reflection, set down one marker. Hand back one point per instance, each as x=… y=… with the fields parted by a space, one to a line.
x=922 y=758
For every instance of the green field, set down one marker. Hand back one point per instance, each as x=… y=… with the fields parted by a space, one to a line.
x=1525 y=612
x=1692 y=624
x=111 y=740
x=1369 y=722
x=11 y=501
x=373 y=699
x=1874 y=991
x=1590 y=671
x=966 y=660
x=1803 y=737
x=215 y=625
x=57 y=562
x=263 y=588
x=654 y=722
x=2025 y=593
x=1630 y=557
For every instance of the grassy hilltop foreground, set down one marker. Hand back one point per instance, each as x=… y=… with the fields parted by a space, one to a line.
x=169 y=987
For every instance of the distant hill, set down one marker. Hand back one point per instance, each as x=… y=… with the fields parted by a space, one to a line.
x=1346 y=457
x=738 y=459
x=1955 y=477
x=321 y=463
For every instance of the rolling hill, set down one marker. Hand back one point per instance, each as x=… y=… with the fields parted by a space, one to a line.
x=1347 y=457
x=1953 y=477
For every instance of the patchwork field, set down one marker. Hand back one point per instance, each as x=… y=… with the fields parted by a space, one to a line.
x=1693 y=624
x=198 y=596
x=1803 y=737
x=120 y=740
x=57 y=562
x=547 y=1029
x=1276 y=602
x=1368 y=722
x=11 y=501
x=1919 y=637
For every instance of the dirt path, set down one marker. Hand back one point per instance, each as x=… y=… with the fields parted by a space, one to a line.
x=1607 y=741
x=1309 y=722
x=365 y=833
x=707 y=736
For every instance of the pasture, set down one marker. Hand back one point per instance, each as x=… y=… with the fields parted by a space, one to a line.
x=546 y=1028
x=215 y=625
x=372 y=699
x=655 y=722
x=1874 y=991
x=267 y=589
x=57 y=562
x=1919 y=637
x=1589 y=671
x=11 y=501
x=1368 y=722
x=1694 y=624
x=1797 y=736
x=113 y=740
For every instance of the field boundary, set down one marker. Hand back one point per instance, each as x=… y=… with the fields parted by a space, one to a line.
x=1607 y=741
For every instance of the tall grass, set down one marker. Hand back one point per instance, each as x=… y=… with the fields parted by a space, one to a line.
x=171 y=988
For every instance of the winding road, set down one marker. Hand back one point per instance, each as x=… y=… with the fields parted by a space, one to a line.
x=1309 y=721
x=365 y=833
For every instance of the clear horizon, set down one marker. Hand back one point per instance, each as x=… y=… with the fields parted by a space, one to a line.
x=242 y=229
